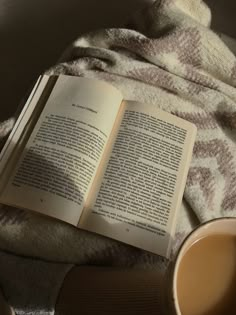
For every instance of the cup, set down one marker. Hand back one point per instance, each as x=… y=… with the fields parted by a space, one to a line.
x=221 y=226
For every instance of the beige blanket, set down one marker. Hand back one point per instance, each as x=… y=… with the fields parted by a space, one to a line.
x=167 y=56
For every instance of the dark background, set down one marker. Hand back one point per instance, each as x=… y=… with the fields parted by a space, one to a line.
x=33 y=34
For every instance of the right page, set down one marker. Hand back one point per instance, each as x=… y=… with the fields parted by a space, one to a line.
x=137 y=197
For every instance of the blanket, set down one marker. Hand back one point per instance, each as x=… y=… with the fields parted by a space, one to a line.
x=167 y=56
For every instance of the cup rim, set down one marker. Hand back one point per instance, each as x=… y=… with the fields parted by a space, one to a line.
x=178 y=256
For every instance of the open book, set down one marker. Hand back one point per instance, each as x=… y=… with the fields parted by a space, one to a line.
x=80 y=153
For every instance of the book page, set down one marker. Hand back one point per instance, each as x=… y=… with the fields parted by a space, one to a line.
x=23 y=127
x=22 y=121
x=142 y=186
x=60 y=159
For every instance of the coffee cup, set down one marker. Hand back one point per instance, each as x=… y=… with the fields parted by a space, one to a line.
x=208 y=295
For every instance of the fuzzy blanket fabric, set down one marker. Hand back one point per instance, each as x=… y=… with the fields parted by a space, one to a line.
x=166 y=56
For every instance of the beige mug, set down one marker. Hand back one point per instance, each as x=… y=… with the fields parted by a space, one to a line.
x=221 y=226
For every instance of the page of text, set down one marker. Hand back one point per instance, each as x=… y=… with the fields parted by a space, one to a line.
x=11 y=150
x=144 y=179
x=59 y=162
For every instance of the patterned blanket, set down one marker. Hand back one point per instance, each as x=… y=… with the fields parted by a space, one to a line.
x=166 y=56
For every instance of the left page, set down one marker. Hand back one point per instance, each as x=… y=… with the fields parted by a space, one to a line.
x=23 y=126
x=55 y=171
